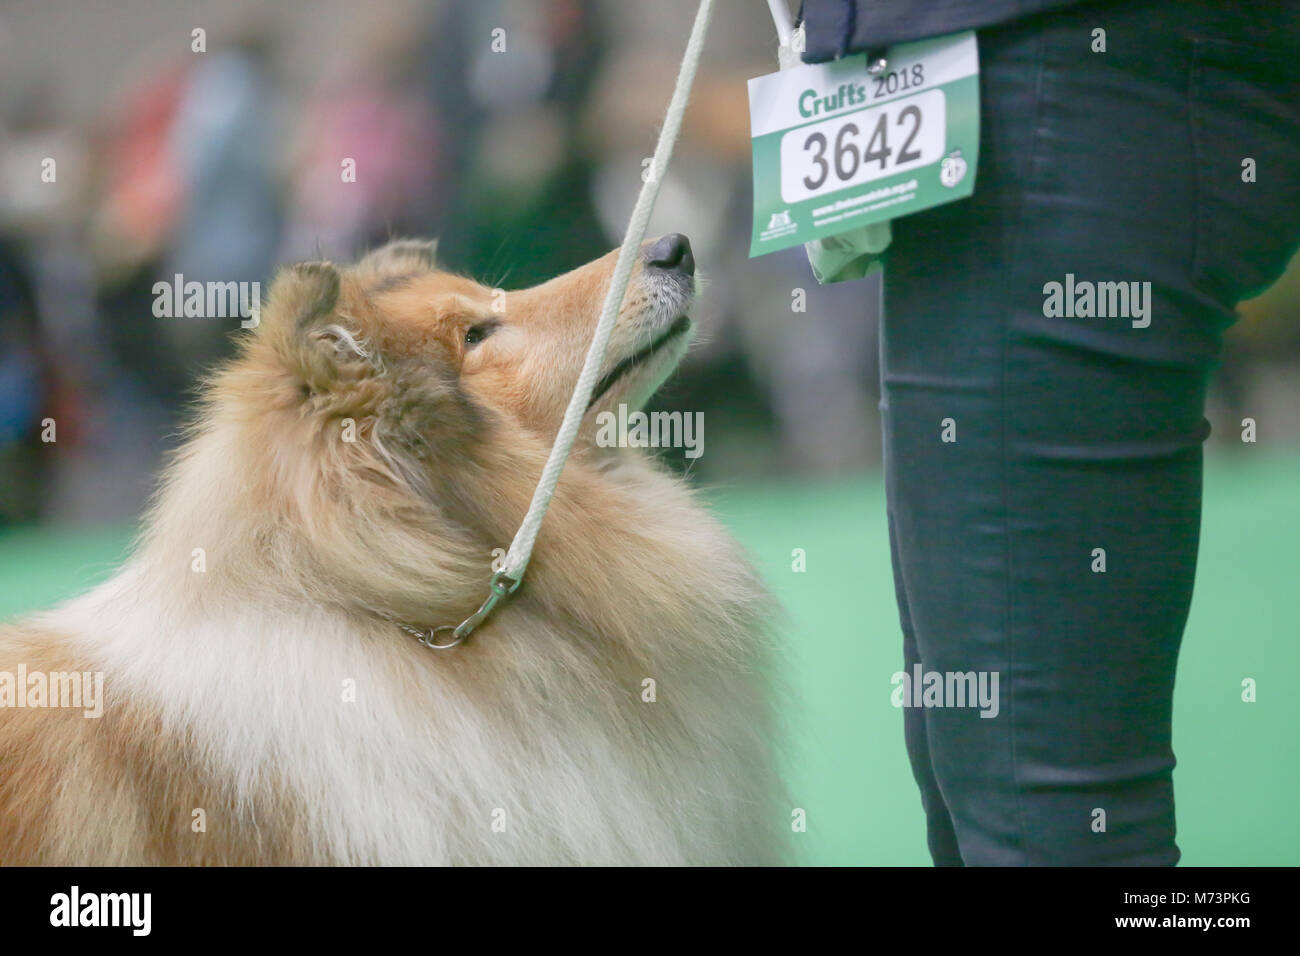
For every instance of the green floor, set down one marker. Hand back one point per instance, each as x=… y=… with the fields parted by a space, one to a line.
x=1238 y=775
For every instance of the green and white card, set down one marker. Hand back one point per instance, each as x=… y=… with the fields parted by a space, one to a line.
x=837 y=147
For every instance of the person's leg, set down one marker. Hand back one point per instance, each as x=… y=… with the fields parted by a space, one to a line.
x=1077 y=439
x=940 y=836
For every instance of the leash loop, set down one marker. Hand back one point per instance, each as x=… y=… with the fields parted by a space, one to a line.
x=501 y=587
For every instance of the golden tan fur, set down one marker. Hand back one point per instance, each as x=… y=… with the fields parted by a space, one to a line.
x=279 y=553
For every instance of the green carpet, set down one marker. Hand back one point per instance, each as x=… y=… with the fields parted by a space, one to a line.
x=1238 y=771
x=1239 y=764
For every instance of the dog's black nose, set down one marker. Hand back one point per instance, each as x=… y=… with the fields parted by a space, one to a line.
x=672 y=252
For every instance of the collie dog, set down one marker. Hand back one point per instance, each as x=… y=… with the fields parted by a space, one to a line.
x=350 y=476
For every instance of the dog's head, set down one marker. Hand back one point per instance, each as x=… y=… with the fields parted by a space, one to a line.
x=398 y=416
x=413 y=355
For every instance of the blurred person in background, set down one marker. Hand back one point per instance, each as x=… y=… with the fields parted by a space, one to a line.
x=223 y=141
x=368 y=158
x=44 y=294
x=190 y=189
x=141 y=200
x=512 y=81
x=25 y=387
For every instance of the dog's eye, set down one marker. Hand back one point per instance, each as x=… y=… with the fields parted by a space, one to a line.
x=477 y=333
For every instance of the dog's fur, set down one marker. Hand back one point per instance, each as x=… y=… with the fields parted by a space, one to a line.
x=272 y=690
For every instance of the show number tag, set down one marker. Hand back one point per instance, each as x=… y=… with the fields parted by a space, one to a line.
x=836 y=147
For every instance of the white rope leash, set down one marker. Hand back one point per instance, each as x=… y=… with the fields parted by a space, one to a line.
x=783 y=21
x=505 y=581
x=521 y=548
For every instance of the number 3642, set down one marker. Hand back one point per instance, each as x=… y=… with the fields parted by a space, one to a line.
x=863 y=146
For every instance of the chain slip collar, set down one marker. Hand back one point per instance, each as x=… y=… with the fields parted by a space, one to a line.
x=502 y=586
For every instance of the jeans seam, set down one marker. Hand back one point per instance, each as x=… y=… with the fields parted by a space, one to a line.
x=1018 y=224
x=1198 y=151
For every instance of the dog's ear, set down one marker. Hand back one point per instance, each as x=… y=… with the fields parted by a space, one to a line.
x=403 y=255
x=305 y=293
x=301 y=322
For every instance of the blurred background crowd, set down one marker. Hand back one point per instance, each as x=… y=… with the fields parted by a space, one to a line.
x=523 y=156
